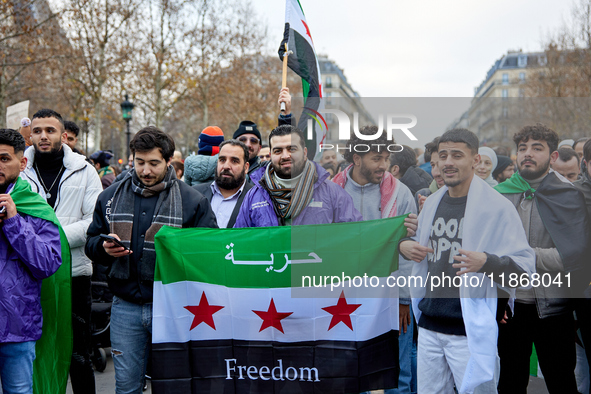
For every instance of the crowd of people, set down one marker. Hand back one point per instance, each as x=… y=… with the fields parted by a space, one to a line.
x=472 y=211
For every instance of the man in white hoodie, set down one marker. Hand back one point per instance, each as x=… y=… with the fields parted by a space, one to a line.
x=71 y=186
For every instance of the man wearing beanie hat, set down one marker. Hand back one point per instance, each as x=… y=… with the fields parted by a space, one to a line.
x=249 y=134
x=200 y=168
x=504 y=169
x=101 y=160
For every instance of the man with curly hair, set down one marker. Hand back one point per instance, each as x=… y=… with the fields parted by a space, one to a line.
x=553 y=214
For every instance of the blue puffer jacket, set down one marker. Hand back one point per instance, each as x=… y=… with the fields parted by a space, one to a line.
x=330 y=204
x=200 y=169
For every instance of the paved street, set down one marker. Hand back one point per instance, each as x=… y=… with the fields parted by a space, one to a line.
x=105 y=381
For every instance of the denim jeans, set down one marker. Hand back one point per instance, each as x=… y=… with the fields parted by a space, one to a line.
x=405 y=350
x=16 y=367
x=131 y=335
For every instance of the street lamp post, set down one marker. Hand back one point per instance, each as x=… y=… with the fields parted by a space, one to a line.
x=126 y=109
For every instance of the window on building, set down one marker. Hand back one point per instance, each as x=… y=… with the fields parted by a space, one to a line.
x=505 y=112
x=521 y=77
x=522 y=61
x=505 y=79
x=521 y=92
x=328 y=82
x=504 y=129
x=505 y=93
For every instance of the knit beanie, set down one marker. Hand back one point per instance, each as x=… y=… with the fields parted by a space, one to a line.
x=209 y=141
x=247 y=127
x=504 y=162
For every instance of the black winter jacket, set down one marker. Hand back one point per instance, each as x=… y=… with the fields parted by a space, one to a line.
x=196 y=213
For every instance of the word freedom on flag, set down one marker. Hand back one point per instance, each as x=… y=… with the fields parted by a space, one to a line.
x=226 y=318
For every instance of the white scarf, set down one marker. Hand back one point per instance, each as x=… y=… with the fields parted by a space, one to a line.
x=492 y=225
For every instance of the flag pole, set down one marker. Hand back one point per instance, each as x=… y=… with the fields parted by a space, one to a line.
x=284 y=76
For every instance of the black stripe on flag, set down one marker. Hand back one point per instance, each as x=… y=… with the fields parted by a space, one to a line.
x=342 y=366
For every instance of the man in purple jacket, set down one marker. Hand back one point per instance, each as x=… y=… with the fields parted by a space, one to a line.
x=292 y=189
x=30 y=250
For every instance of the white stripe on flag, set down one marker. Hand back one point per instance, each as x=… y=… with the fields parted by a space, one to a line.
x=308 y=322
x=296 y=19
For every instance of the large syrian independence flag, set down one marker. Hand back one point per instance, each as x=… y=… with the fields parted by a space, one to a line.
x=227 y=320
x=304 y=63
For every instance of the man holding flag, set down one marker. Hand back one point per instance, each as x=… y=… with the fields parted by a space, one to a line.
x=31 y=250
x=459 y=234
x=247 y=323
x=377 y=194
x=292 y=189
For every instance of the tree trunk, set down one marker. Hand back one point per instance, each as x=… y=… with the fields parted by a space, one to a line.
x=98 y=107
x=2 y=98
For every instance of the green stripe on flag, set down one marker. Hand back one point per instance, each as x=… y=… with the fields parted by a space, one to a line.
x=305 y=89
x=270 y=257
x=300 y=4
x=533 y=362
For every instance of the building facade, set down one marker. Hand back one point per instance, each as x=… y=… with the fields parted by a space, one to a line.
x=498 y=107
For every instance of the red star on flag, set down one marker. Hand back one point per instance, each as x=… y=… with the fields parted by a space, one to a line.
x=341 y=312
x=307 y=30
x=272 y=318
x=203 y=312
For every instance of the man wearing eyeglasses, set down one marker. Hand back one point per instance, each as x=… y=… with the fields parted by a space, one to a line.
x=265 y=153
x=249 y=134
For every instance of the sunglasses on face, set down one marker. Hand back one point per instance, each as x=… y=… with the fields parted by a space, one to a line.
x=253 y=140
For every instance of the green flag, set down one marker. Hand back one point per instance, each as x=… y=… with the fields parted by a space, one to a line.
x=515 y=184
x=54 y=349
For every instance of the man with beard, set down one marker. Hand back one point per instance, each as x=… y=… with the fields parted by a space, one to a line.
x=553 y=214
x=249 y=135
x=378 y=194
x=292 y=189
x=71 y=186
x=226 y=192
x=568 y=163
x=437 y=183
x=30 y=251
x=132 y=211
x=458 y=234
x=504 y=170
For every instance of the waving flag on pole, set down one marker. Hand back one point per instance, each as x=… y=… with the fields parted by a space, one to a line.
x=304 y=63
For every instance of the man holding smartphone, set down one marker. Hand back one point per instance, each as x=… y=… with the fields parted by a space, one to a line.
x=132 y=211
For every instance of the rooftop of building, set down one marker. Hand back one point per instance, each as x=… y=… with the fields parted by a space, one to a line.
x=511 y=61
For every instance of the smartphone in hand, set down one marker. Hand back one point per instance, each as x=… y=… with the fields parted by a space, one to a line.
x=110 y=238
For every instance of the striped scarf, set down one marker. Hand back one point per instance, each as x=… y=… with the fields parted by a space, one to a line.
x=168 y=212
x=288 y=203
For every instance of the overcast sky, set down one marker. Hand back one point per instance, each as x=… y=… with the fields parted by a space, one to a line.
x=404 y=48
